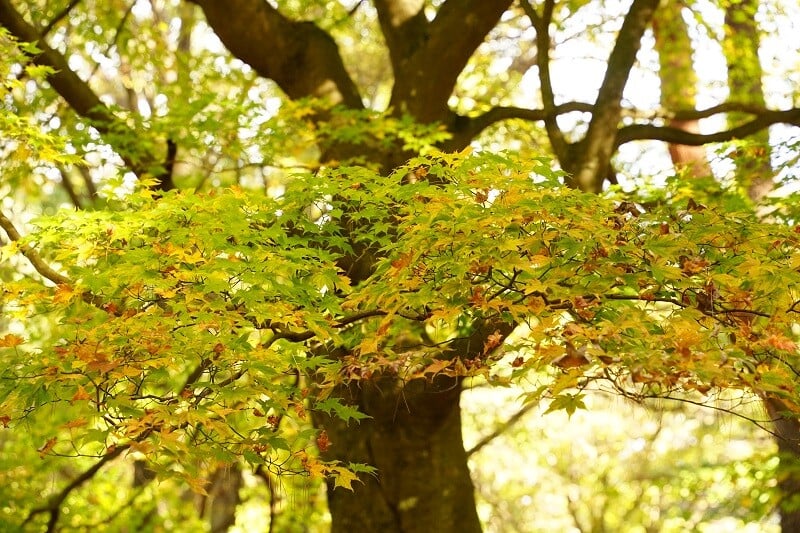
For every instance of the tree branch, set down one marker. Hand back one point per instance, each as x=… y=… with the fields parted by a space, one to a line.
x=299 y=56
x=53 y=506
x=80 y=96
x=500 y=113
x=727 y=107
x=427 y=79
x=404 y=27
x=59 y=17
x=594 y=156
x=30 y=254
x=502 y=428
x=542 y=27
x=639 y=132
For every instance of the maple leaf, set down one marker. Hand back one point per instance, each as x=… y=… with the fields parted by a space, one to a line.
x=78 y=422
x=81 y=394
x=493 y=341
x=64 y=294
x=323 y=442
x=437 y=366
x=781 y=343
x=10 y=341
x=344 y=478
x=45 y=448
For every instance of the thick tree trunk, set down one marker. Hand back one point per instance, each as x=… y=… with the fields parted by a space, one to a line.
x=414 y=439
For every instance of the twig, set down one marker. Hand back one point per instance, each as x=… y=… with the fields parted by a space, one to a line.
x=502 y=428
x=54 y=505
x=59 y=17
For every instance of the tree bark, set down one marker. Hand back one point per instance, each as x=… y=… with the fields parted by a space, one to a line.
x=414 y=439
x=787 y=433
x=678 y=85
x=592 y=156
x=741 y=44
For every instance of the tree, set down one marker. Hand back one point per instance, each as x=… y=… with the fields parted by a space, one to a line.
x=679 y=84
x=375 y=283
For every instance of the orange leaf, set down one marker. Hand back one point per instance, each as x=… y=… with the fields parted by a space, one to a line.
x=46 y=447
x=323 y=442
x=437 y=366
x=81 y=394
x=493 y=341
x=402 y=261
x=10 y=341
x=64 y=294
x=75 y=423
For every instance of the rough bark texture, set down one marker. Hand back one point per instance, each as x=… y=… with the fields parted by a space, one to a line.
x=414 y=439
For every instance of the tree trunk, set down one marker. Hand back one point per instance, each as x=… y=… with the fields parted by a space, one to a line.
x=787 y=431
x=741 y=44
x=414 y=439
x=678 y=85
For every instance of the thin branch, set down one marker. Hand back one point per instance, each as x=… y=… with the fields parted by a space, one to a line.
x=59 y=17
x=67 y=183
x=502 y=428
x=542 y=27
x=53 y=507
x=30 y=254
x=727 y=107
x=500 y=113
x=91 y=188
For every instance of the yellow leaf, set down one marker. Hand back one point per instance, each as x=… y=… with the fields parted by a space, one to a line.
x=344 y=478
x=198 y=485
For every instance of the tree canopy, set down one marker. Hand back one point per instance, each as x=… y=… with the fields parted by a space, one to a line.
x=298 y=229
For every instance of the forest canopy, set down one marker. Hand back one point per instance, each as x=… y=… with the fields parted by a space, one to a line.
x=255 y=248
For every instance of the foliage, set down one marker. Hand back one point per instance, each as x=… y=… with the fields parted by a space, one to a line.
x=184 y=328
x=350 y=219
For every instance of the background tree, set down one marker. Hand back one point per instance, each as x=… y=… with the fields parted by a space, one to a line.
x=679 y=84
x=741 y=45
x=364 y=249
